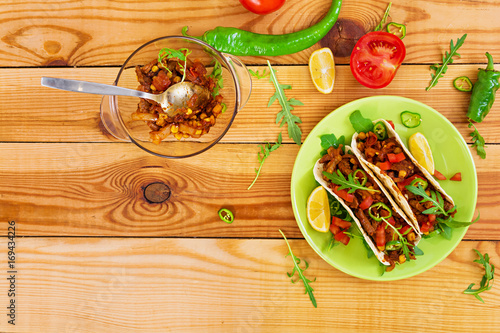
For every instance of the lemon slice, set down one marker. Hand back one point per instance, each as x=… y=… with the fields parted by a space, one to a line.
x=419 y=148
x=322 y=69
x=318 y=210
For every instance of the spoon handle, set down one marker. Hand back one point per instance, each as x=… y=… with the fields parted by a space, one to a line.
x=93 y=88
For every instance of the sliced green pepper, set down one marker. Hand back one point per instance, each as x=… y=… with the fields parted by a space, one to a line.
x=401 y=28
x=419 y=181
x=379 y=207
x=410 y=119
x=393 y=245
x=363 y=177
x=380 y=130
x=458 y=83
x=226 y=215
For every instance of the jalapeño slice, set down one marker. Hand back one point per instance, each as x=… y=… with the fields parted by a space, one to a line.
x=419 y=181
x=380 y=130
x=379 y=211
x=226 y=215
x=410 y=119
x=360 y=176
x=393 y=245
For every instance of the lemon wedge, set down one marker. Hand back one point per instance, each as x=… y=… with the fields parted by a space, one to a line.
x=420 y=149
x=322 y=70
x=318 y=210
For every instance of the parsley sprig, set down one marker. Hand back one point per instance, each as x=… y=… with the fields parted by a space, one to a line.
x=300 y=272
x=171 y=54
x=259 y=75
x=440 y=70
x=351 y=183
x=477 y=141
x=489 y=272
x=264 y=153
x=285 y=115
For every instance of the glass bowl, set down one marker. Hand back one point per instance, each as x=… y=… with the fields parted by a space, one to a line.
x=116 y=111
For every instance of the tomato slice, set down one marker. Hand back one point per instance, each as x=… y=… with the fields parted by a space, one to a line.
x=341 y=223
x=376 y=58
x=395 y=158
x=457 y=177
x=262 y=7
x=366 y=203
x=439 y=175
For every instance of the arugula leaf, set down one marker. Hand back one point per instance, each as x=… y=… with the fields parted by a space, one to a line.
x=384 y=18
x=359 y=123
x=351 y=183
x=265 y=151
x=489 y=275
x=404 y=241
x=300 y=271
x=452 y=223
x=477 y=141
x=173 y=53
x=329 y=140
x=217 y=75
x=417 y=251
x=440 y=70
x=258 y=75
x=285 y=115
x=435 y=198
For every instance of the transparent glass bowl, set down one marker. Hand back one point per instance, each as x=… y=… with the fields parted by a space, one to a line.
x=116 y=111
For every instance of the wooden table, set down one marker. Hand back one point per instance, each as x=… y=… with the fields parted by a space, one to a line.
x=92 y=255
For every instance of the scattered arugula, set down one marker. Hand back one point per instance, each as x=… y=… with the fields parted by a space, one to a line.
x=384 y=18
x=258 y=75
x=285 y=115
x=477 y=141
x=440 y=70
x=351 y=184
x=172 y=53
x=488 y=277
x=264 y=153
x=300 y=271
x=217 y=76
x=360 y=123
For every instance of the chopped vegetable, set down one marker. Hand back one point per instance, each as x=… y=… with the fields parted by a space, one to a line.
x=462 y=83
x=300 y=272
x=478 y=141
x=380 y=130
x=360 y=176
x=265 y=151
x=483 y=92
x=457 y=177
x=417 y=181
x=351 y=184
x=440 y=70
x=262 y=7
x=226 y=215
x=410 y=119
x=489 y=275
x=395 y=158
x=400 y=28
x=376 y=211
x=439 y=175
x=180 y=54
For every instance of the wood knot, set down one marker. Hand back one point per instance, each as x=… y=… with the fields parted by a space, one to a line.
x=342 y=37
x=157 y=192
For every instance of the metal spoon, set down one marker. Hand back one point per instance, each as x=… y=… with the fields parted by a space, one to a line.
x=170 y=100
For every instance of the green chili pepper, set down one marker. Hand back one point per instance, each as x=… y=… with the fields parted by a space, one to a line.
x=244 y=43
x=419 y=181
x=226 y=215
x=377 y=216
x=363 y=177
x=410 y=119
x=483 y=92
x=393 y=245
x=458 y=83
x=380 y=130
x=401 y=29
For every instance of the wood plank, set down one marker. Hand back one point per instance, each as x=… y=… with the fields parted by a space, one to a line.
x=207 y=285
x=56 y=116
x=87 y=33
x=97 y=189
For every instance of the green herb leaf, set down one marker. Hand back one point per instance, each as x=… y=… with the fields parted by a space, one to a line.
x=440 y=70
x=173 y=53
x=436 y=199
x=330 y=140
x=217 y=75
x=265 y=150
x=452 y=223
x=300 y=272
x=259 y=75
x=384 y=18
x=404 y=242
x=359 y=123
x=477 y=141
x=417 y=251
x=285 y=115
x=351 y=183
x=489 y=275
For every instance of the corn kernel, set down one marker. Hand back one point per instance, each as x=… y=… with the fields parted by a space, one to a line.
x=177 y=79
x=411 y=236
x=185 y=135
x=217 y=108
x=174 y=129
x=362 y=135
x=178 y=136
x=152 y=87
x=203 y=115
x=155 y=68
x=381 y=248
x=402 y=174
x=169 y=75
x=198 y=132
x=189 y=111
x=402 y=258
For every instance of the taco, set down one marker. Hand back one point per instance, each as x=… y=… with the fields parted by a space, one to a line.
x=384 y=226
x=383 y=151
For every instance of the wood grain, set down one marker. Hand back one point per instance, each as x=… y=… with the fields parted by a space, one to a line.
x=104 y=33
x=80 y=189
x=207 y=285
x=51 y=115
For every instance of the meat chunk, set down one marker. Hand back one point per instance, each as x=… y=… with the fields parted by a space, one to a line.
x=370 y=230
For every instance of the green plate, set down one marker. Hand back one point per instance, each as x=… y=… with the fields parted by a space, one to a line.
x=451 y=155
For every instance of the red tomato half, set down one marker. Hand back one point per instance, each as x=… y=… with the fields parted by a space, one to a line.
x=376 y=57
x=262 y=7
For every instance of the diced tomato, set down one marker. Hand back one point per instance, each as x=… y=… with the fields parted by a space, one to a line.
x=432 y=218
x=349 y=197
x=391 y=123
x=457 y=177
x=380 y=237
x=161 y=81
x=439 y=175
x=341 y=223
x=408 y=181
x=334 y=229
x=391 y=221
x=385 y=165
x=366 y=203
x=395 y=158
x=404 y=229
x=342 y=237
x=425 y=228
x=345 y=240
